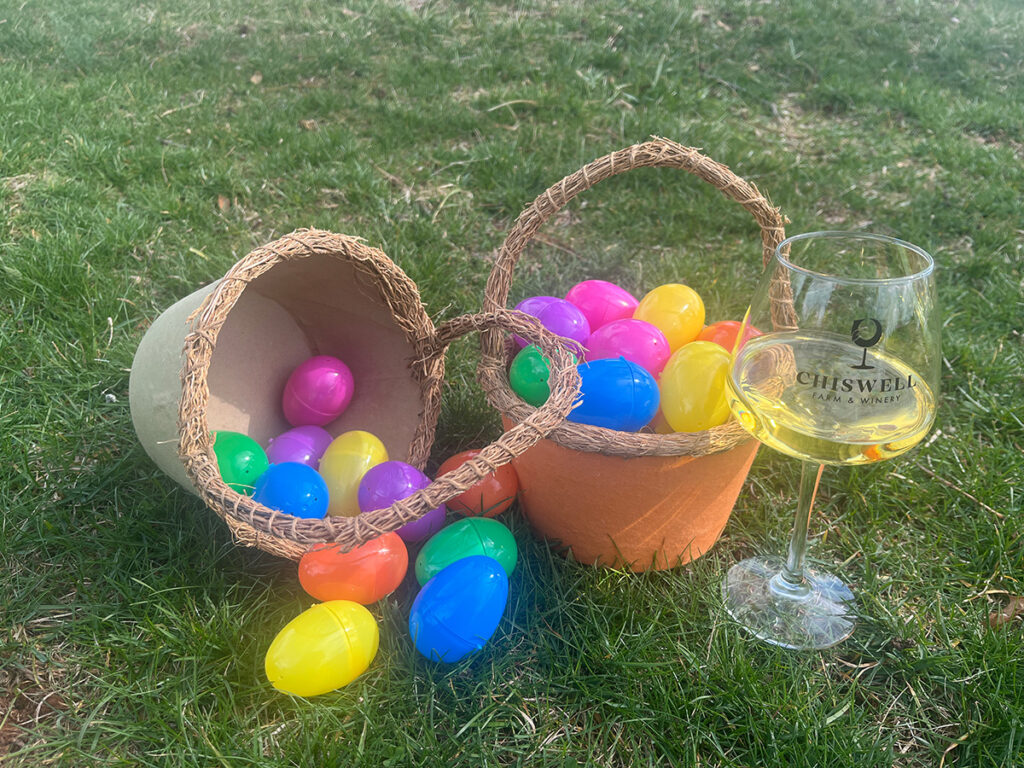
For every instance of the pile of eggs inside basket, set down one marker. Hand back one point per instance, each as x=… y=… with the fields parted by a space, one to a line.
x=650 y=362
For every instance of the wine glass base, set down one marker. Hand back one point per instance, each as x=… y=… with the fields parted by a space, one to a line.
x=819 y=614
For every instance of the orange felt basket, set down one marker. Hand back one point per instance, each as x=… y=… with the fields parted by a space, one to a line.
x=634 y=500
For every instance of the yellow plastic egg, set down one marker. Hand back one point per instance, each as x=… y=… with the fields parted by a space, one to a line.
x=676 y=310
x=343 y=465
x=322 y=649
x=692 y=387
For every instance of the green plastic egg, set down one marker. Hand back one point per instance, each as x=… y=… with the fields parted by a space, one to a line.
x=528 y=375
x=240 y=460
x=470 y=536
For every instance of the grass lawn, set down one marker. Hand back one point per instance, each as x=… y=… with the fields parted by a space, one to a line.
x=145 y=147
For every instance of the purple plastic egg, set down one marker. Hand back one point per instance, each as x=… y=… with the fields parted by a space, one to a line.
x=317 y=392
x=532 y=306
x=302 y=445
x=602 y=302
x=562 y=319
x=636 y=340
x=390 y=481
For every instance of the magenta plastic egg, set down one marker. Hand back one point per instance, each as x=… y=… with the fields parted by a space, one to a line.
x=390 y=481
x=302 y=445
x=636 y=340
x=602 y=302
x=317 y=392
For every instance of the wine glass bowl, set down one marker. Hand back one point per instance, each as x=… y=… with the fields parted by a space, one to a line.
x=847 y=374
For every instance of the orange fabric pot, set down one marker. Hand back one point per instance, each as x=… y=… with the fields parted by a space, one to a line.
x=641 y=513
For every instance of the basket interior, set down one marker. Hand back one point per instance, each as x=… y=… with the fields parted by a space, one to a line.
x=318 y=305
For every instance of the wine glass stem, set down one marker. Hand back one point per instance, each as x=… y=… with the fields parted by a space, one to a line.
x=791 y=579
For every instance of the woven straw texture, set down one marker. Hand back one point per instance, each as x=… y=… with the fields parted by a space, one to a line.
x=256 y=525
x=657 y=153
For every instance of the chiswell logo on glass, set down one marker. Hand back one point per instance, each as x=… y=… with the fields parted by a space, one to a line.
x=865 y=333
x=884 y=388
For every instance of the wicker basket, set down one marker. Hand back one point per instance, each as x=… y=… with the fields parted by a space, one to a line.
x=219 y=358
x=635 y=500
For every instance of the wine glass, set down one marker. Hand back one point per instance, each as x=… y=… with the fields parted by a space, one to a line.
x=845 y=371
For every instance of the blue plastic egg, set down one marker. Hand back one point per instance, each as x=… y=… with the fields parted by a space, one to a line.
x=292 y=488
x=616 y=394
x=458 y=610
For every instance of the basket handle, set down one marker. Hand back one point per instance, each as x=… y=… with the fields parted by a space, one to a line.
x=656 y=153
x=349 y=532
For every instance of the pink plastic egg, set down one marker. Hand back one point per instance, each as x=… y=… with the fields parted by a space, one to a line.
x=602 y=302
x=390 y=481
x=317 y=392
x=637 y=341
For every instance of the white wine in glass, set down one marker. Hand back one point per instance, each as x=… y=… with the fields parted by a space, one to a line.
x=845 y=372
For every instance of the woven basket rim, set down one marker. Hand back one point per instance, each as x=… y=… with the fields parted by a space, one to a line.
x=256 y=525
x=658 y=152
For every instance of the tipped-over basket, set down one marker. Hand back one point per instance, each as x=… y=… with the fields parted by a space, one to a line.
x=219 y=359
x=620 y=499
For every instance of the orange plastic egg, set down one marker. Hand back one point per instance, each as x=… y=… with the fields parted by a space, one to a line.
x=675 y=309
x=692 y=387
x=491 y=496
x=363 y=575
x=724 y=333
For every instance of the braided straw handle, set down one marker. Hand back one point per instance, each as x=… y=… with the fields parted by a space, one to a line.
x=242 y=512
x=656 y=153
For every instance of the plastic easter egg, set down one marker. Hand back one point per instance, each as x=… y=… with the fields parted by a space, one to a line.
x=724 y=333
x=294 y=489
x=532 y=306
x=468 y=537
x=601 y=302
x=528 y=375
x=495 y=493
x=562 y=319
x=317 y=392
x=322 y=649
x=458 y=610
x=240 y=459
x=615 y=394
x=364 y=574
x=565 y=319
x=390 y=481
x=693 y=387
x=676 y=309
x=636 y=340
x=346 y=460
x=304 y=445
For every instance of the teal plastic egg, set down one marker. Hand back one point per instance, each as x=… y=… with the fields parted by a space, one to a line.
x=466 y=538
